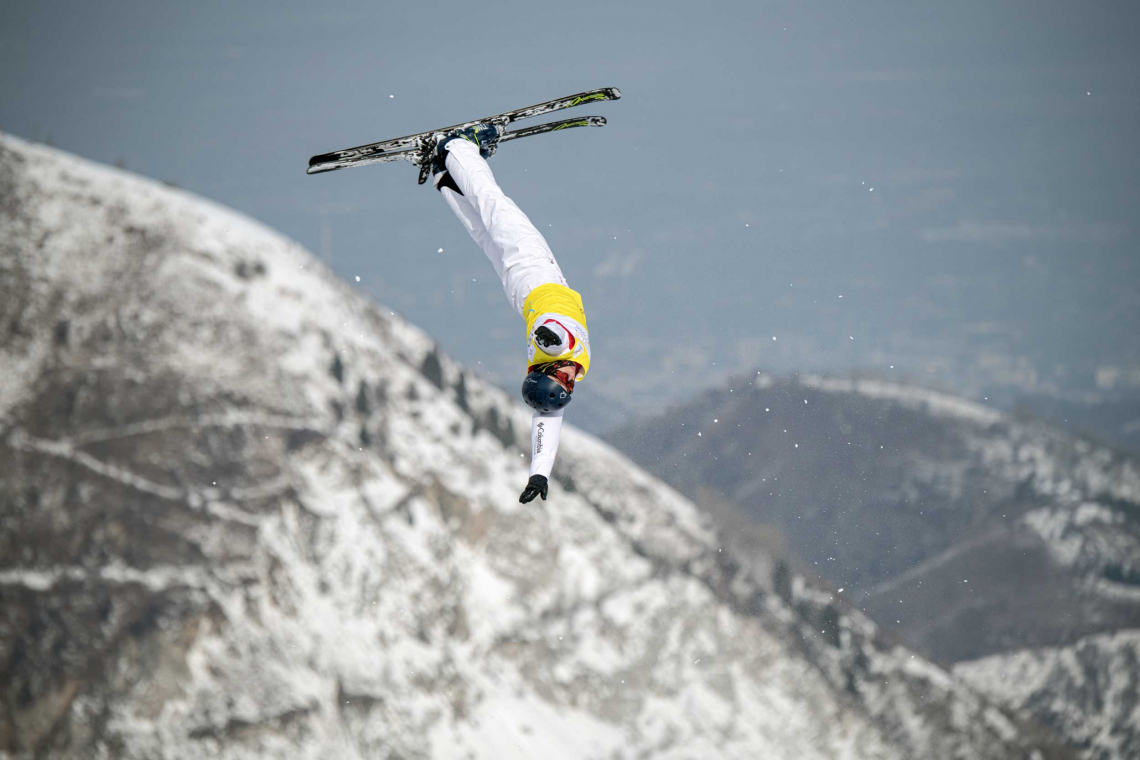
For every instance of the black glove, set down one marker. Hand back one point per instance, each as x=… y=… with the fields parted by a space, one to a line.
x=546 y=337
x=536 y=486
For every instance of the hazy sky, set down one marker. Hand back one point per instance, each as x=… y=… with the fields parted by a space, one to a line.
x=729 y=201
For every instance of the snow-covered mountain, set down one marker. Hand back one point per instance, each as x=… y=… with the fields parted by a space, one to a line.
x=1089 y=691
x=244 y=512
x=966 y=532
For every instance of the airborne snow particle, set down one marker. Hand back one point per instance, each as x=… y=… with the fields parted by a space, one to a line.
x=870 y=189
x=358 y=278
x=391 y=96
x=852 y=337
x=840 y=590
x=440 y=251
x=773 y=337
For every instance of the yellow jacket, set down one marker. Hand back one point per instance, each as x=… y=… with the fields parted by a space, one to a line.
x=557 y=306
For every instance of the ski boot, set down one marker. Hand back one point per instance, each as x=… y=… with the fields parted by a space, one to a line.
x=485 y=136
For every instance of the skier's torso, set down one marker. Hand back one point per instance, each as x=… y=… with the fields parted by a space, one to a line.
x=564 y=306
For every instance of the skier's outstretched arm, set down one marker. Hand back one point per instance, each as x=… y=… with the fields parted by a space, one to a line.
x=545 y=429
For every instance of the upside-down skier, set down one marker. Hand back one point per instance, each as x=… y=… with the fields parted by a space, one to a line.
x=558 y=346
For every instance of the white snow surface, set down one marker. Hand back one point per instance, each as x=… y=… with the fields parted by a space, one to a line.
x=1087 y=690
x=394 y=600
x=933 y=402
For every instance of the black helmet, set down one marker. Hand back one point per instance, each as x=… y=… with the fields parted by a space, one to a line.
x=543 y=393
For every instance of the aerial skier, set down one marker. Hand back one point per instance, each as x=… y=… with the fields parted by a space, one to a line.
x=558 y=346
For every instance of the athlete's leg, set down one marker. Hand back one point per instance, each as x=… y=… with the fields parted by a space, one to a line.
x=471 y=221
x=469 y=216
x=518 y=251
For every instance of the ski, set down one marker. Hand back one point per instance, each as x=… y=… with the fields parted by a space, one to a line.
x=367 y=154
x=554 y=126
x=415 y=155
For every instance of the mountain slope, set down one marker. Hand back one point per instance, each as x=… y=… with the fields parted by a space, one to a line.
x=966 y=532
x=247 y=513
x=1089 y=690
x=903 y=494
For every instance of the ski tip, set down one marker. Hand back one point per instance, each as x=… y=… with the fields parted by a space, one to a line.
x=614 y=92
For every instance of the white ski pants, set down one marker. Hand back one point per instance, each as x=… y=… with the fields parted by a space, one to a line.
x=516 y=249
